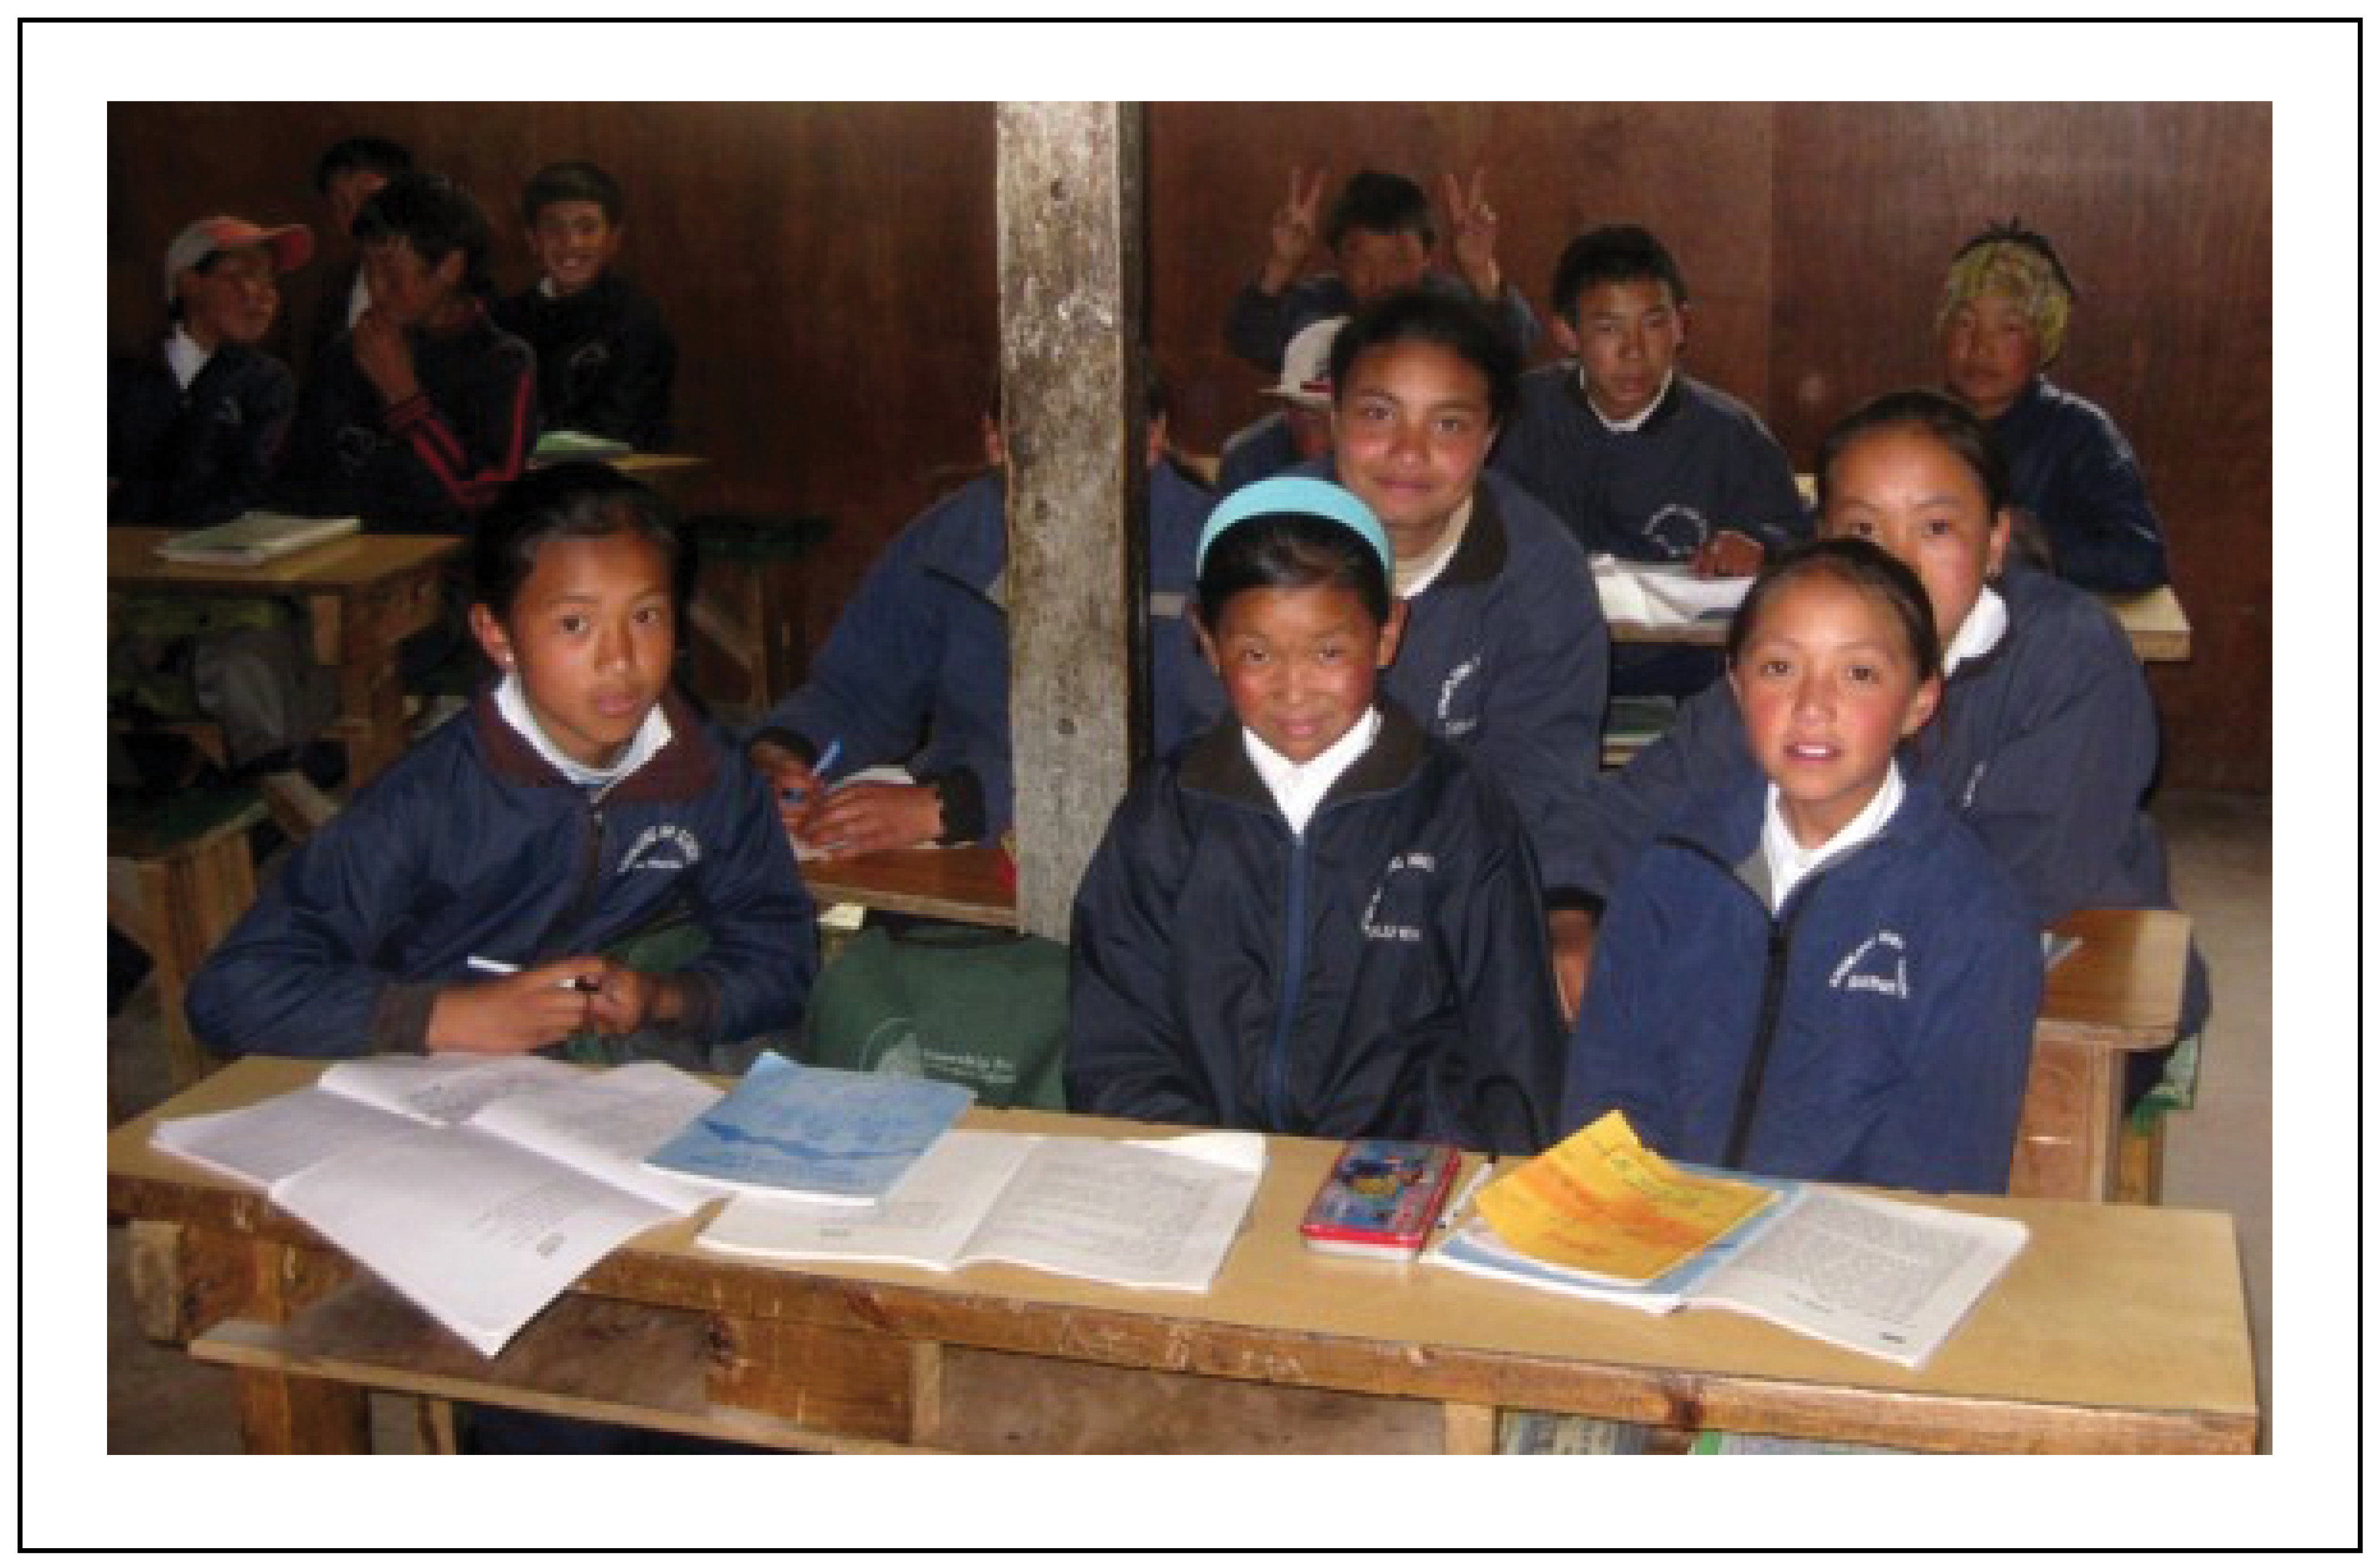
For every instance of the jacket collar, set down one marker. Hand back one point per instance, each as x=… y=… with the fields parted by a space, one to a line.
x=679 y=771
x=1217 y=762
x=1674 y=397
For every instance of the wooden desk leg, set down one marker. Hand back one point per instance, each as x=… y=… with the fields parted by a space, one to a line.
x=287 y=1415
x=1470 y=1428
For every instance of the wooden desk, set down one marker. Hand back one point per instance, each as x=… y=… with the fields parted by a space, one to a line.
x=363 y=595
x=971 y=883
x=2154 y=622
x=2120 y=991
x=2116 y=1329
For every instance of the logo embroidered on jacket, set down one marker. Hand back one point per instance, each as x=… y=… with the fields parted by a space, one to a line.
x=1887 y=976
x=1415 y=861
x=229 y=414
x=1679 y=530
x=667 y=848
x=1449 y=726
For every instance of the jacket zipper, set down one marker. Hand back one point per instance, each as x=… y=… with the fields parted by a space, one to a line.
x=1772 y=1003
x=1292 y=982
x=589 y=875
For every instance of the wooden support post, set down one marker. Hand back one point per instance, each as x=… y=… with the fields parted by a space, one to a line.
x=1071 y=309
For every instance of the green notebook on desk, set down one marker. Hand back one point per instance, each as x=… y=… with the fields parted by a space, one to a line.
x=253 y=538
x=563 y=445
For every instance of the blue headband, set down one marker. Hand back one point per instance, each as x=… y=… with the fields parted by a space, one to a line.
x=1313 y=498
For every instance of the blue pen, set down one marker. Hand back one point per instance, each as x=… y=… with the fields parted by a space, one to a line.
x=817 y=769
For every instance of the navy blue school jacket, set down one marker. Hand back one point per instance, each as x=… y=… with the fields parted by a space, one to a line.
x=1384 y=974
x=2073 y=470
x=922 y=650
x=198 y=454
x=605 y=360
x=1260 y=324
x=471 y=844
x=1507 y=655
x=1895 y=991
x=2043 y=748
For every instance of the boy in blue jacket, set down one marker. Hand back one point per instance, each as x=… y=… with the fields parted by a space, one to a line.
x=2002 y=321
x=1817 y=971
x=922 y=650
x=467 y=898
x=1314 y=918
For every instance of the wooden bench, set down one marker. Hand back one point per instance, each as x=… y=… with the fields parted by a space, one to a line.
x=179 y=872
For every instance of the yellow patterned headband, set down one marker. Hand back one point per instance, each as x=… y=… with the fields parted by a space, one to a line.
x=2019 y=265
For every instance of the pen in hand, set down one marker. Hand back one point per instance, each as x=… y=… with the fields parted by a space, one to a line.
x=586 y=984
x=818 y=770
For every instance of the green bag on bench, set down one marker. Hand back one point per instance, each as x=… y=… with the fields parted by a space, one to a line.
x=962 y=1004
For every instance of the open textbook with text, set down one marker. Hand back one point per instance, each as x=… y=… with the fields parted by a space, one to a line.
x=477 y=1188
x=1157 y=1214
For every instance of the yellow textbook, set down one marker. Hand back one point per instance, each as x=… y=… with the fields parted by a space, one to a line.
x=1601 y=1203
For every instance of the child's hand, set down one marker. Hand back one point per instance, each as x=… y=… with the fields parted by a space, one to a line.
x=385 y=357
x=864 y=818
x=626 y=999
x=1570 y=935
x=1473 y=226
x=791 y=781
x=516 y=1013
x=1292 y=230
x=1728 y=553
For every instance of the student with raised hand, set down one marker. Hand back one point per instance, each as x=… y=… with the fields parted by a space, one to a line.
x=1380 y=234
x=1316 y=918
x=605 y=360
x=922 y=650
x=2046 y=740
x=2071 y=474
x=420 y=415
x=1505 y=651
x=1815 y=970
x=507 y=884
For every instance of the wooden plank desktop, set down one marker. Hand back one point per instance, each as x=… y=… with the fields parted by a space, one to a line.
x=969 y=882
x=363 y=595
x=2119 y=993
x=2116 y=1329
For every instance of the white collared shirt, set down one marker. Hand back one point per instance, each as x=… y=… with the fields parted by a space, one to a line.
x=650 y=737
x=1979 y=633
x=1298 y=788
x=184 y=355
x=1632 y=425
x=358 y=298
x=1788 y=862
x=1413 y=576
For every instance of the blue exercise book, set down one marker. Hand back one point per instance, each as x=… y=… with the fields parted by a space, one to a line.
x=795 y=1131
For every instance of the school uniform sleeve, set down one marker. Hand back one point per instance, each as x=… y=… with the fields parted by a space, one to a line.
x=749 y=899
x=631 y=403
x=1260 y=324
x=2058 y=803
x=1763 y=502
x=1624 y=807
x=1509 y=1091
x=480 y=438
x=1617 y=1061
x=1541 y=731
x=296 y=975
x=1953 y=1128
x=1127 y=1053
x=2095 y=508
x=872 y=684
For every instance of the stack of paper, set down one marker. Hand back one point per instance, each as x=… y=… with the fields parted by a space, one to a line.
x=253 y=538
x=1663 y=593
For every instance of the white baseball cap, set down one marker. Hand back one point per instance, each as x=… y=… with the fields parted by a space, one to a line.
x=1305 y=365
x=291 y=245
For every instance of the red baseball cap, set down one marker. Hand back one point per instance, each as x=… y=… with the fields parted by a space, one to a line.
x=291 y=245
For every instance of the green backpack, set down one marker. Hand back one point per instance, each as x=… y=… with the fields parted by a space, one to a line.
x=964 y=1005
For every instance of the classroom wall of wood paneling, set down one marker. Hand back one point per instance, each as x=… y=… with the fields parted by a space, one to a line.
x=828 y=271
